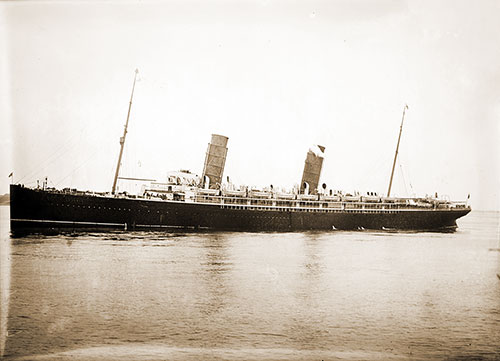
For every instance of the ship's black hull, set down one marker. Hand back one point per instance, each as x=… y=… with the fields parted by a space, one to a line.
x=38 y=210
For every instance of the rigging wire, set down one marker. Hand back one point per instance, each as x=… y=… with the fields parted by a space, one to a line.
x=58 y=153
x=409 y=182
x=403 y=178
x=79 y=166
x=404 y=170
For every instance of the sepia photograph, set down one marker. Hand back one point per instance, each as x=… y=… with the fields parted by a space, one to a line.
x=249 y=180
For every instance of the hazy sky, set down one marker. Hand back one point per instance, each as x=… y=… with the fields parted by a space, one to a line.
x=273 y=76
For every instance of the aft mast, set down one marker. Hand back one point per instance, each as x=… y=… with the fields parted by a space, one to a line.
x=397 y=148
x=122 y=139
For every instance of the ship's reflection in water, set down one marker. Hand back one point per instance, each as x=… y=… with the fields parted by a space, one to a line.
x=252 y=296
x=214 y=274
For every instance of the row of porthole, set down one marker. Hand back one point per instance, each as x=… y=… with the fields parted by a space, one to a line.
x=364 y=211
x=268 y=217
x=98 y=207
x=260 y=209
x=280 y=209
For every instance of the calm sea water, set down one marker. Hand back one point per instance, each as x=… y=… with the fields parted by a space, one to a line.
x=253 y=296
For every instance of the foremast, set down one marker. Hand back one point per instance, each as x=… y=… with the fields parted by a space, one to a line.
x=397 y=149
x=122 y=139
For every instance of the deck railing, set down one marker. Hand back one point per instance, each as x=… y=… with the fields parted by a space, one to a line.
x=327 y=204
x=322 y=203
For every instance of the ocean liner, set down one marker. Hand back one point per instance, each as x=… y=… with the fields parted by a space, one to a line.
x=185 y=201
